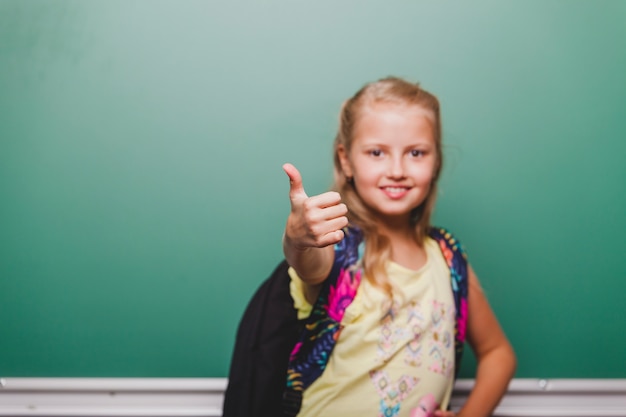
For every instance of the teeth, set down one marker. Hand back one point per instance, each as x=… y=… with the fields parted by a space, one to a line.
x=395 y=189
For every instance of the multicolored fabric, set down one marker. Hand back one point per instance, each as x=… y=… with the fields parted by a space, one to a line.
x=457 y=262
x=323 y=327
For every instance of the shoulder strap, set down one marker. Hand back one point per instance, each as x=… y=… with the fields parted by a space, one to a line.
x=457 y=262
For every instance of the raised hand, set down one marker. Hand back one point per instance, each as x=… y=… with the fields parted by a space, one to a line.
x=314 y=222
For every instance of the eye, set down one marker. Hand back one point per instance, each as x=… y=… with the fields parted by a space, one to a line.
x=376 y=152
x=417 y=153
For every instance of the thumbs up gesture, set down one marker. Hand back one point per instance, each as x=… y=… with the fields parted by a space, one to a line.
x=314 y=222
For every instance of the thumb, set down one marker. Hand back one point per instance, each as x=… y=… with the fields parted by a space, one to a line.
x=296 y=189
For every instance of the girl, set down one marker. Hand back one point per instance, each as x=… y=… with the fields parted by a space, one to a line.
x=391 y=297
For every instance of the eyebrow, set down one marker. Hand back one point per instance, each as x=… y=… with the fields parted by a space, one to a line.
x=382 y=144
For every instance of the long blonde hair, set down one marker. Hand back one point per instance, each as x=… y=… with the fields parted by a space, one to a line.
x=378 y=248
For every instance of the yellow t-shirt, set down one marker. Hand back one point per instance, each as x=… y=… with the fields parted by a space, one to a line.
x=389 y=356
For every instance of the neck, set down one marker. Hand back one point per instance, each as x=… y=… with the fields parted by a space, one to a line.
x=405 y=249
x=395 y=229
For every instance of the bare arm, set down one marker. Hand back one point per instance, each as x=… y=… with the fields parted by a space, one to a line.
x=494 y=354
x=313 y=227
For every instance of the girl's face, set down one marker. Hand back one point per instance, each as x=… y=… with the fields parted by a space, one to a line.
x=392 y=159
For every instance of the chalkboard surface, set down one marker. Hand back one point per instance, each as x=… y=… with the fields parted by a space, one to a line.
x=142 y=199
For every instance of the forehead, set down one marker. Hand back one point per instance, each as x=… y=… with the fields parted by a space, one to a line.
x=374 y=106
x=390 y=120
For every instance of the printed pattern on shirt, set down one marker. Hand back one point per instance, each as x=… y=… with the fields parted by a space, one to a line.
x=418 y=332
x=441 y=340
x=415 y=324
x=391 y=393
x=390 y=334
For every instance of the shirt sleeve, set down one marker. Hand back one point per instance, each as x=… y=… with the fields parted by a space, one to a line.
x=296 y=288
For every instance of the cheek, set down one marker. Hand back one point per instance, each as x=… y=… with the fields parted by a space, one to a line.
x=369 y=173
x=362 y=168
x=425 y=174
x=362 y=179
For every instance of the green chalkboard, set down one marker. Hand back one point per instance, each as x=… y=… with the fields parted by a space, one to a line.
x=142 y=199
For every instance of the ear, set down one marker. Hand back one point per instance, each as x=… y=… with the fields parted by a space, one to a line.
x=342 y=154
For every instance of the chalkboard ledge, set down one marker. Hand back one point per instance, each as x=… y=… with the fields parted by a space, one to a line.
x=202 y=397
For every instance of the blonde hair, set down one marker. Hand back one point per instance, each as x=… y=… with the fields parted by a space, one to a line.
x=390 y=90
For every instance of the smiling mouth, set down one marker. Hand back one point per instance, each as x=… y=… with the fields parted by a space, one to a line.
x=395 y=192
x=395 y=189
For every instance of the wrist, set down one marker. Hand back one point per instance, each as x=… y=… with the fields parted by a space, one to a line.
x=290 y=244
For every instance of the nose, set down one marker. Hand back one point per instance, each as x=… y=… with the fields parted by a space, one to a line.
x=396 y=169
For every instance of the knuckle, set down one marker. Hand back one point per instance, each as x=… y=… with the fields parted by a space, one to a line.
x=319 y=242
x=310 y=220
x=316 y=231
x=308 y=204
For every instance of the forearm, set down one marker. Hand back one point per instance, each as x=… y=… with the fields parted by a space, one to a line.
x=312 y=266
x=493 y=375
